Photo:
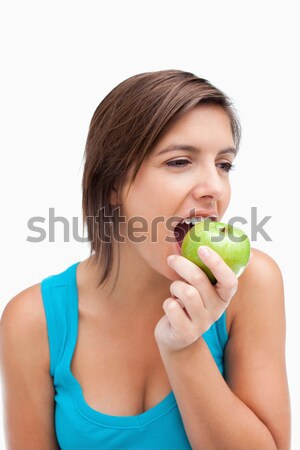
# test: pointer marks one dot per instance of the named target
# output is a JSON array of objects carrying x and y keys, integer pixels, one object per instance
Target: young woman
[{"x": 134, "y": 347}]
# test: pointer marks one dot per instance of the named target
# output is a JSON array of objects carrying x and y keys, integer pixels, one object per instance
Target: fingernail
[
  {"x": 170, "y": 258},
  {"x": 171, "y": 304},
  {"x": 203, "y": 251}
]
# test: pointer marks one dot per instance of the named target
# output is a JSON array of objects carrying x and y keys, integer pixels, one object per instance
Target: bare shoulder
[
  {"x": 261, "y": 276},
  {"x": 23, "y": 319},
  {"x": 27, "y": 386},
  {"x": 262, "y": 269}
]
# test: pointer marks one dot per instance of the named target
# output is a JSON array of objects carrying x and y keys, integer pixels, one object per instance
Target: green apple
[{"x": 231, "y": 243}]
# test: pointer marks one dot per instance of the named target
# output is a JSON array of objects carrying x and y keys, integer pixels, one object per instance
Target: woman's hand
[{"x": 198, "y": 303}]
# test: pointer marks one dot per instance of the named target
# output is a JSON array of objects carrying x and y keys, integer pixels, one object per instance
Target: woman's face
[{"x": 189, "y": 180}]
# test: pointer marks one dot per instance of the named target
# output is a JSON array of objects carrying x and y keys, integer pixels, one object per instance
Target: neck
[{"x": 136, "y": 288}]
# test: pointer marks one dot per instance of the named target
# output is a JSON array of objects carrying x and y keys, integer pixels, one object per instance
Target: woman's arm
[
  {"x": 27, "y": 389},
  {"x": 251, "y": 409}
]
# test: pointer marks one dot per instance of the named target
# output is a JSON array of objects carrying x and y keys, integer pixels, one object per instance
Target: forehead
[{"x": 206, "y": 124}]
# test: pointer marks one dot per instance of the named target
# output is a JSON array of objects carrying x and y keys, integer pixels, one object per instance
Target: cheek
[
  {"x": 148, "y": 203},
  {"x": 146, "y": 228}
]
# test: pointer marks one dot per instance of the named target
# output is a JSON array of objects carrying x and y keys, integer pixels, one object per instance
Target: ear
[{"x": 114, "y": 197}]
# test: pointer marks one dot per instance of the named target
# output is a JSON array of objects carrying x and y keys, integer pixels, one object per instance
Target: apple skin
[{"x": 235, "y": 254}]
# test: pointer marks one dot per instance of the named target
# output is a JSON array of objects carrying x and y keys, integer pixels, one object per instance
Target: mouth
[{"x": 186, "y": 224}]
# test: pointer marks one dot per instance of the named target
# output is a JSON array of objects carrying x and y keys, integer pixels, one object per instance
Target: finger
[
  {"x": 189, "y": 271},
  {"x": 226, "y": 279},
  {"x": 180, "y": 323},
  {"x": 213, "y": 297},
  {"x": 198, "y": 310},
  {"x": 199, "y": 314},
  {"x": 190, "y": 298}
]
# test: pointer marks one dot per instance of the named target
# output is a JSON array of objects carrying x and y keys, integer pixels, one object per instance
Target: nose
[{"x": 209, "y": 183}]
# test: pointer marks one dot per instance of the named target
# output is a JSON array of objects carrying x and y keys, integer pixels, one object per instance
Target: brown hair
[{"x": 124, "y": 128}]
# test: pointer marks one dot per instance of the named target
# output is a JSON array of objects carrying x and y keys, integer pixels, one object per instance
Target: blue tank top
[{"x": 79, "y": 426}]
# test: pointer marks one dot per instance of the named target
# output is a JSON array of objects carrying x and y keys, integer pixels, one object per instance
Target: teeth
[
  {"x": 196, "y": 219},
  {"x": 193, "y": 220}
]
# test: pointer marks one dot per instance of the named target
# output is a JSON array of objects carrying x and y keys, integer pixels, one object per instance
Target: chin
[
  {"x": 162, "y": 269},
  {"x": 172, "y": 275},
  {"x": 168, "y": 273}
]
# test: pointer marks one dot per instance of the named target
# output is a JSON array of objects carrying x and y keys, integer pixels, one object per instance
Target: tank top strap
[{"x": 59, "y": 304}]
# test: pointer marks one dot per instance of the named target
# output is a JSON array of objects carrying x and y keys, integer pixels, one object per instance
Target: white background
[{"x": 60, "y": 58}]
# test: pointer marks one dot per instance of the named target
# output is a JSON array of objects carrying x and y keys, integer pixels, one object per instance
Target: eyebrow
[{"x": 192, "y": 149}]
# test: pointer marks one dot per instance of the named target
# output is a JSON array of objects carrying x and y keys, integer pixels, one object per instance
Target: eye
[
  {"x": 178, "y": 163},
  {"x": 226, "y": 166}
]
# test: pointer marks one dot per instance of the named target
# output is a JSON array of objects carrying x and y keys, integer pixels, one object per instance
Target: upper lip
[{"x": 200, "y": 213}]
